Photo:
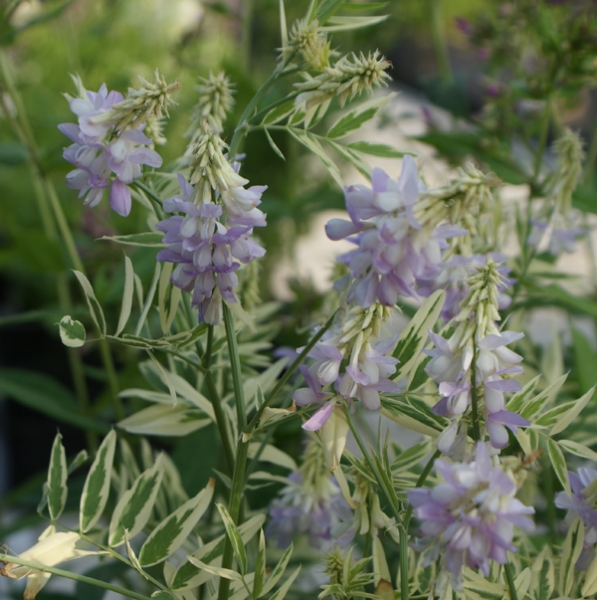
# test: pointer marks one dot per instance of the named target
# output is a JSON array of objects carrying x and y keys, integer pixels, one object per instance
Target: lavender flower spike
[{"x": 469, "y": 517}]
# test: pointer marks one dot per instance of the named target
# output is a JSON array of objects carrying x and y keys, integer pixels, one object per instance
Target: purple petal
[
  {"x": 319, "y": 418},
  {"x": 120, "y": 198}
]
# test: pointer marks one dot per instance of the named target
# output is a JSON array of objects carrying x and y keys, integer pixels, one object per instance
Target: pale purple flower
[
  {"x": 207, "y": 253},
  {"x": 578, "y": 505},
  {"x": 468, "y": 519},
  {"x": 393, "y": 249},
  {"x": 302, "y": 509},
  {"x": 559, "y": 239},
  {"x": 97, "y": 157}
]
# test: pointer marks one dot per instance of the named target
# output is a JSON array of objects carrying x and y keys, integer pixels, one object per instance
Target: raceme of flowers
[
  {"x": 207, "y": 251},
  {"x": 354, "y": 339},
  {"x": 475, "y": 360},
  {"x": 401, "y": 229},
  {"x": 469, "y": 517},
  {"x": 582, "y": 504},
  {"x": 110, "y": 142},
  {"x": 311, "y": 503}
]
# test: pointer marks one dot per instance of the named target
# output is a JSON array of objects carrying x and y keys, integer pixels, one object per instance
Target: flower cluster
[
  {"x": 453, "y": 277},
  {"x": 350, "y": 361},
  {"x": 109, "y": 141},
  {"x": 554, "y": 227},
  {"x": 398, "y": 229},
  {"x": 469, "y": 517},
  {"x": 582, "y": 504},
  {"x": 206, "y": 251},
  {"x": 475, "y": 362},
  {"x": 311, "y": 503}
]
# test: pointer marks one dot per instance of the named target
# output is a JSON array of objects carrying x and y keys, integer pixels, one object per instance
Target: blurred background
[{"x": 438, "y": 65}]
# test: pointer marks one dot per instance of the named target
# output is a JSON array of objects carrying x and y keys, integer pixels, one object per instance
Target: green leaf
[
  {"x": 589, "y": 588},
  {"x": 413, "y": 338},
  {"x": 351, "y": 23},
  {"x": 79, "y": 460},
  {"x": 97, "y": 485},
  {"x": 95, "y": 310},
  {"x": 518, "y": 400},
  {"x": 532, "y": 407},
  {"x": 556, "y": 456},
  {"x": 149, "y": 239},
  {"x": 554, "y": 295},
  {"x": 559, "y": 417},
  {"x": 127, "y": 295},
  {"x": 571, "y": 550},
  {"x": 413, "y": 414},
  {"x": 165, "y": 420},
  {"x": 543, "y": 577},
  {"x": 578, "y": 449},
  {"x": 310, "y": 142},
  {"x": 280, "y": 593},
  {"x": 358, "y": 116},
  {"x": 219, "y": 571},
  {"x": 259, "y": 568},
  {"x": 72, "y": 333},
  {"x": 278, "y": 571},
  {"x": 411, "y": 457},
  {"x": 277, "y": 114},
  {"x": 169, "y": 535},
  {"x": 372, "y": 149},
  {"x": 353, "y": 157},
  {"x": 234, "y": 537},
  {"x": 273, "y": 145},
  {"x": 57, "y": 475},
  {"x": 47, "y": 396},
  {"x": 134, "y": 508}
]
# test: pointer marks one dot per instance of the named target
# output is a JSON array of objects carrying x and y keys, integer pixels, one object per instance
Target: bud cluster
[
  {"x": 214, "y": 104},
  {"x": 312, "y": 43},
  {"x": 347, "y": 78}
]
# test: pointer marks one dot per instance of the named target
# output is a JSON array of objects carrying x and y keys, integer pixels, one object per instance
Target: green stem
[
  {"x": 510, "y": 580},
  {"x": 237, "y": 380},
  {"x": 288, "y": 373},
  {"x": 404, "y": 563},
  {"x": 240, "y": 128},
  {"x": 236, "y": 496},
  {"x": 591, "y": 158},
  {"x": 439, "y": 42},
  {"x": 474, "y": 398},
  {"x": 258, "y": 115},
  {"x": 153, "y": 197},
  {"x": 542, "y": 140},
  {"x": 246, "y": 34},
  {"x": 111, "y": 376},
  {"x": 5, "y": 558}
]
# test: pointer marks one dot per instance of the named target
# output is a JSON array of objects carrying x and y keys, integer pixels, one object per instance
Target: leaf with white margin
[
  {"x": 57, "y": 475},
  {"x": 134, "y": 508},
  {"x": 578, "y": 449},
  {"x": 534, "y": 405},
  {"x": 187, "y": 576},
  {"x": 281, "y": 592},
  {"x": 589, "y": 587},
  {"x": 358, "y": 116},
  {"x": 543, "y": 582},
  {"x": 168, "y": 536},
  {"x": 127, "y": 295},
  {"x": 97, "y": 485},
  {"x": 234, "y": 536},
  {"x": 571, "y": 550},
  {"x": 260, "y": 565},
  {"x": 561, "y": 416},
  {"x": 72, "y": 332},
  {"x": 95, "y": 309},
  {"x": 413, "y": 338},
  {"x": 556, "y": 456},
  {"x": 278, "y": 571},
  {"x": 165, "y": 420},
  {"x": 273, "y": 455},
  {"x": 219, "y": 571}
]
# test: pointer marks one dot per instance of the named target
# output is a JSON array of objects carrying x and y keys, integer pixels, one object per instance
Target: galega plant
[{"x": 449, "y": 373}]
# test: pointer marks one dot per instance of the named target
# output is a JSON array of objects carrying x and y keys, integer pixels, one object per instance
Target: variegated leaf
[
  {"x": 97, "y": 485},
  {"x": 57, "y": 475}
]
